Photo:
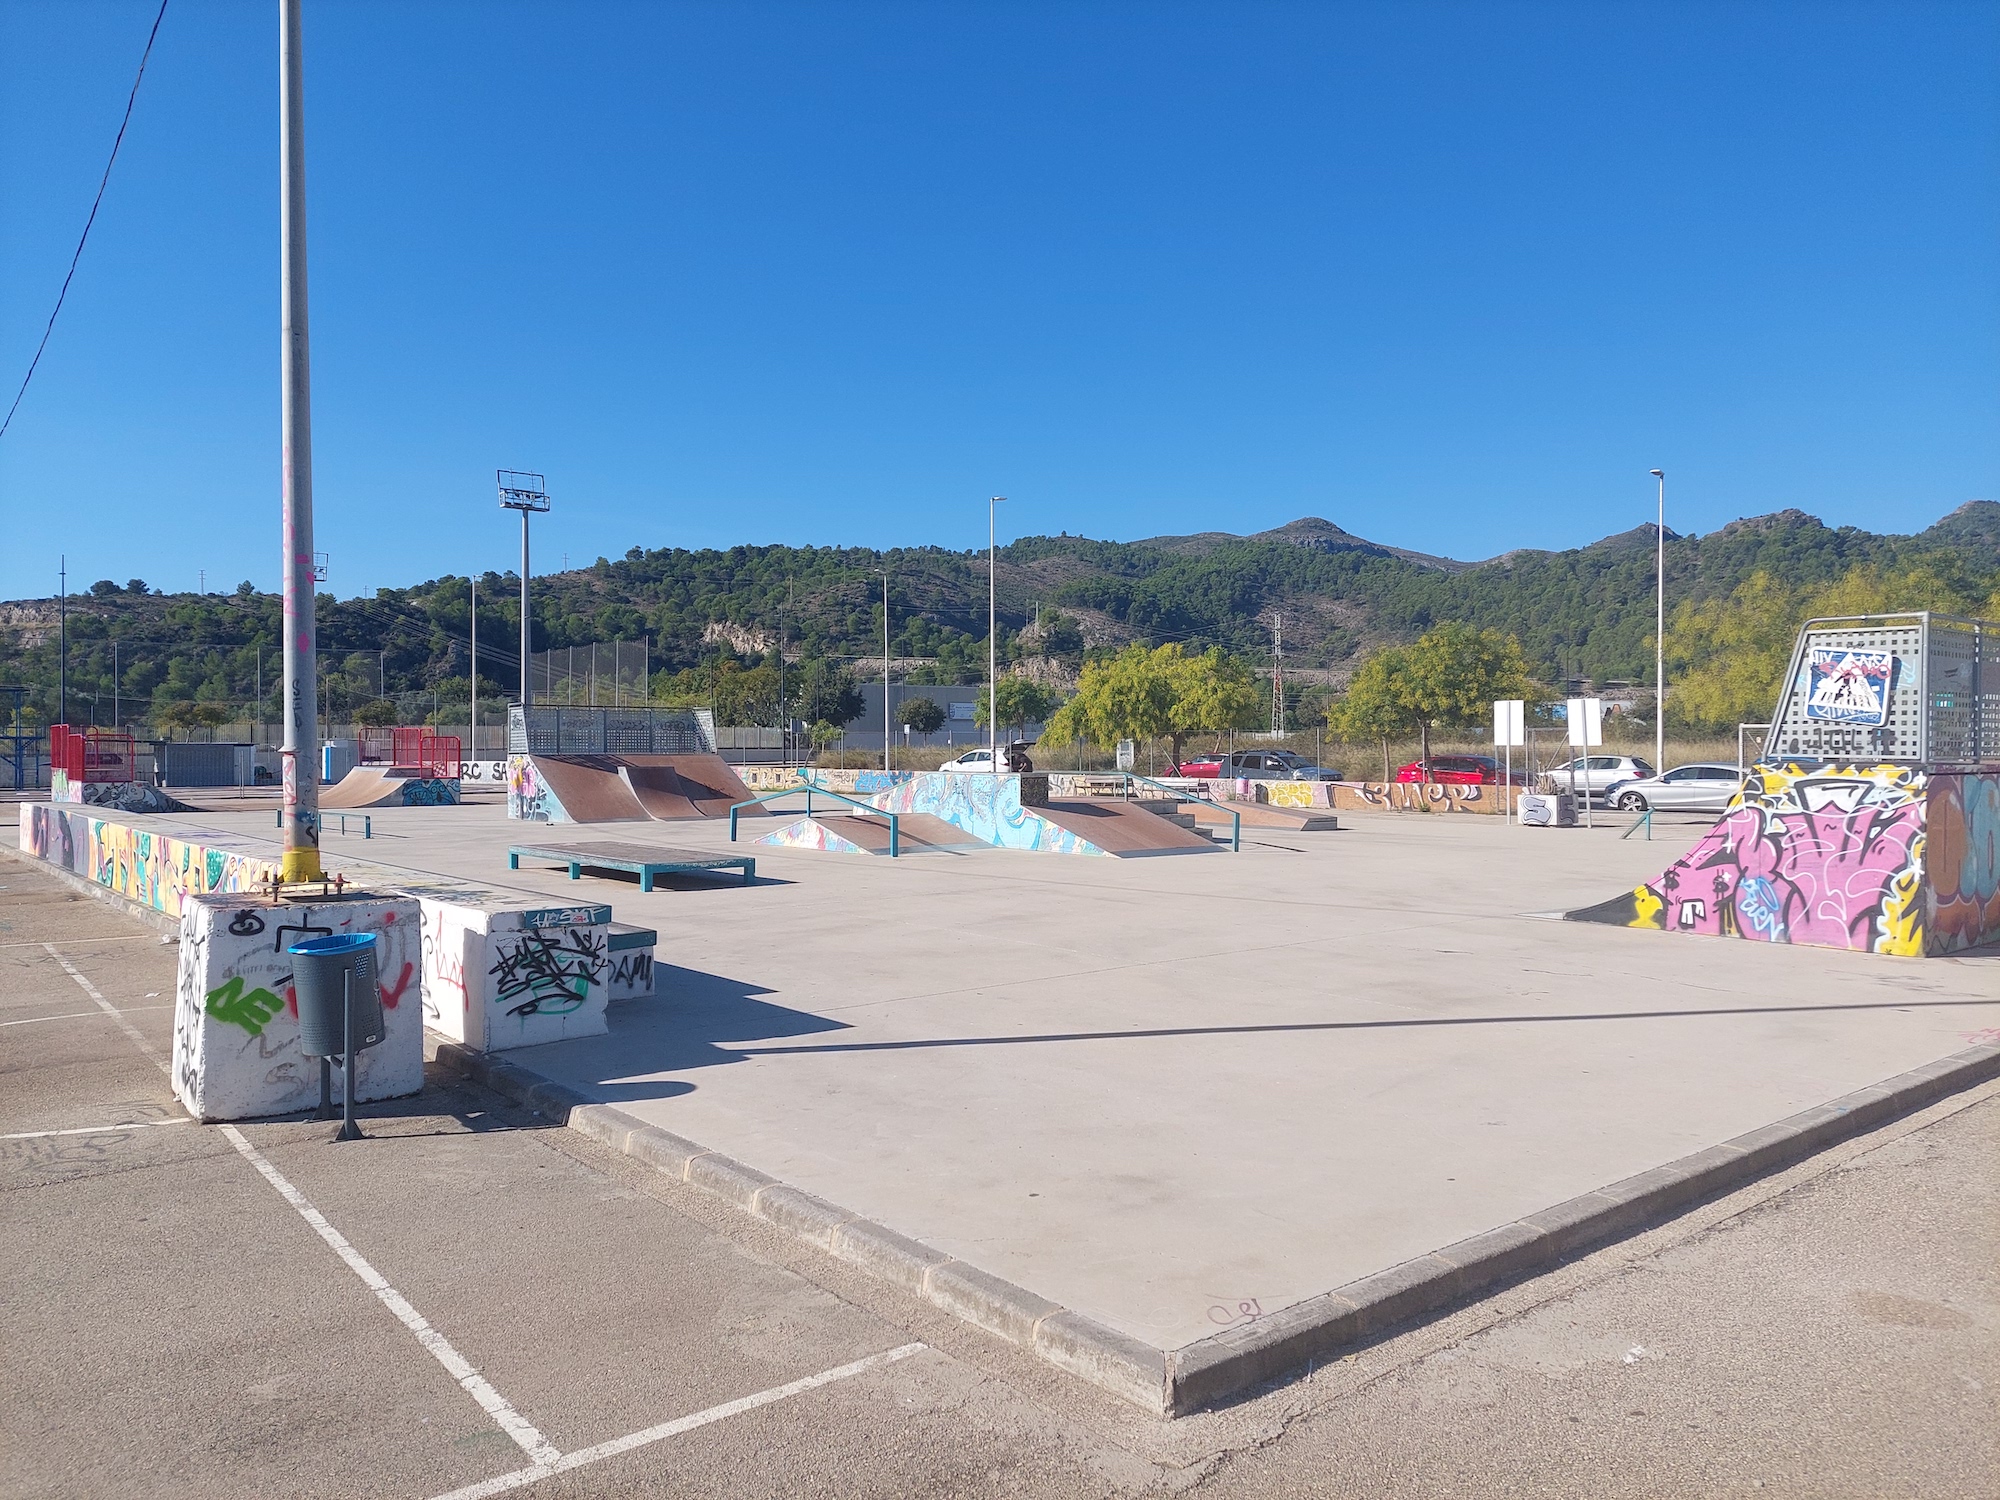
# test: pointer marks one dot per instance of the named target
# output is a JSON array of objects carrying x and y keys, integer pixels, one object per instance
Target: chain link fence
[{"x": 609, "y": 674}]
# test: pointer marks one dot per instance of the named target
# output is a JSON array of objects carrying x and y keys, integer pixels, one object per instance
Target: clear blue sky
[{"x": 1453, "y": 276}]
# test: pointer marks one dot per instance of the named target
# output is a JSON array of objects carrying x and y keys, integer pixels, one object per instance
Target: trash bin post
[
  {"x": 357, "y": 1025},
  {"x": 349, "y": 1131}
]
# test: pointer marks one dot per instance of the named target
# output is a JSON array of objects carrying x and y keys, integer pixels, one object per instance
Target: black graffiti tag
[
  {"x": 246, "y": 924},
  {"x": 545, "y": 976}
]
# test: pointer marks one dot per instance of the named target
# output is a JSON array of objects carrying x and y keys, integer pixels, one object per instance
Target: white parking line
[
  {"x": 72, "y": 1015},
  {"x": 35, "y": 1135},
  {"x": 511, "y": 1422},
  {"x": 131, "y": 1031},
  {"x": 674, "y": 1428}
]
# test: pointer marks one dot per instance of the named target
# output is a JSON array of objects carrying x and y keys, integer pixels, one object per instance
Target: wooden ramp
[
  {"x": 1125, "y": 829},
  {"x": 590, "y": 788},
  {"x": 1263, "y": 815}
]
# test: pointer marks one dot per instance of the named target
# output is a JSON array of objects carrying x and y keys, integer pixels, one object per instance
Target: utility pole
[
  {"x": 526, "y": 493},
  {"x": 887, "y": 744},
  {"x": 62, "y": 616},
  {"x": 298, "y": 757},
  {"x": 1660, "y": 635},
  {"x": 1277, "y": 673},
  {"x": 475, "y": 670},
  {"x": 114, "y": 685},
  {"x": 992, "y": 647}
]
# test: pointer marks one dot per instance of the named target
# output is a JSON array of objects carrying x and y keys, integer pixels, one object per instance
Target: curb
[
  {"x": 1067, "y": 1339},
  {"x": 1174, "y": 1383}
]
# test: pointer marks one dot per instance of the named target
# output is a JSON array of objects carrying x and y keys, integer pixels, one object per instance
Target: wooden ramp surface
[
  {"x": 1120, "y": 828},
  {"x": 916, "y": 832},
  {"x": 590, "y": 788},
  {"x": 1263, "y": 815},
  {"x": 685, "y": 786}
]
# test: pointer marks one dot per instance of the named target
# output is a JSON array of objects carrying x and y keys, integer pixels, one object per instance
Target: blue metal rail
[{"x": 810, "y": 787}]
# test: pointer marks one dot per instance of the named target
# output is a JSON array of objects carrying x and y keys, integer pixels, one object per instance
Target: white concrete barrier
[
  {"x": 500, "y": 979},
  {"x": 236, "y": 1022}
]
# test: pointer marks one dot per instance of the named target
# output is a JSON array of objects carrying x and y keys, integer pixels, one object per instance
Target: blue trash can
[{"x": 324, "y": 970}]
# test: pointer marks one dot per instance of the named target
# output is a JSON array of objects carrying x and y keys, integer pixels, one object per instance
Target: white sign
[
  {"x": 1586, "y": 722},
  {"x": 1509, "y": 721},
  {"x": 959, "y": 711},
  {"x": 1128, "y": 755}
]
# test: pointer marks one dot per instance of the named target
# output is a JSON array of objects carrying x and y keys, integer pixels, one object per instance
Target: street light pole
[
  {"x": 298, "y": 756},
  {"x": 473, "y": 709},
  {"x": 992, "y": 648},
  {"x": 526, "y": 493},
  {"x": 886, "y": 743},
  {"x": 1660, "y": 634}
]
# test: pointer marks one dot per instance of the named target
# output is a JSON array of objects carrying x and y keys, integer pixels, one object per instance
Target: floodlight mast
[
  {"x": 298, "y": 756},
  {"x": 526, "y": 493}
]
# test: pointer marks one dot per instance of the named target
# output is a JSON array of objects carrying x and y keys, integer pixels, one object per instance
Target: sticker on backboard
[{"x": 1849, "y": 687}]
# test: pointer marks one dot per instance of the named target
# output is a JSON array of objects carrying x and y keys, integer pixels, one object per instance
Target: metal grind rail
[{"x": 809, "y": 787}]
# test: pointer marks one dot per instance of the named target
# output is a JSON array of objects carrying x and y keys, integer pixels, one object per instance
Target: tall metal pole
[
  {"x": 474, "y": 710},
  {"x": 1660, "y": 635},
  {"x": 886, "y": 743},
  {"x": 62, "y": 615},
  {"x": 992, "y": 649},
  {"x": 301, "y": 770},
  {"x": 527, "y": 693}
]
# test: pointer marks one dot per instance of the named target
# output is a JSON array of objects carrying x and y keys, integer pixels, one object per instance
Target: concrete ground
[
  {"x": 177, "y": 1324},
  {"x": 1173, "y": 1094}
]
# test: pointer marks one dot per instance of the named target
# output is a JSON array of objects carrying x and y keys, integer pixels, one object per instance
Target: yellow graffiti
[
  {"x": 1648, "y": 910},
  {"x": 1902, "y": 918}
]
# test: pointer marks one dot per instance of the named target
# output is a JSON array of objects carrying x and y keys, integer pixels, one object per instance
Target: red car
[{"x": 1453, "y": 770}]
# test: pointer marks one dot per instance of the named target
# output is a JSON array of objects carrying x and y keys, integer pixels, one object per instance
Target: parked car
[
  {"x": 1259, "y": 765},
  {"x": 1597, "y": 774},
  {"x": 1013, "y": 757},
  {"x": 1453, "y": 770},
  {"x": 1704, "y": 787}
]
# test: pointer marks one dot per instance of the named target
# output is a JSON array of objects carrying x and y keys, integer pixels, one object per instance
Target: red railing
[
  {"x": 92, "y": 754},
  {"x": 413, "y": 747}
]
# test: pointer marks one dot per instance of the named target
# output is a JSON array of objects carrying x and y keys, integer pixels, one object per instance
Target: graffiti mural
[
  {"x": 527, "y": 797},
  {"x": 430, "y": 791},
  {"x": 1827, "y": 854},
  {"x": 1396, "y": 796},
  {"x": 152, "y": 869},
  {"x": 1962, "y": 861},
  {"x": 986, "y": 807},
  {"x": 809, "y": 833}
]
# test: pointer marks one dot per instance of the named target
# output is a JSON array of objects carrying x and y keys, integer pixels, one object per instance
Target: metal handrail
[
  {"x": 809, "y": 786},
  {"x": 1235, "y": 817}
]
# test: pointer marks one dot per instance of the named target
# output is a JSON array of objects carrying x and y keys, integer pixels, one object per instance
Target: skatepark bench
[{"x": 642, "y": 860}]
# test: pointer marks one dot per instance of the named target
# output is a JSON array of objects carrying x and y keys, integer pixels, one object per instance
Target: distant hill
[{"x": 1585, "y": 611}]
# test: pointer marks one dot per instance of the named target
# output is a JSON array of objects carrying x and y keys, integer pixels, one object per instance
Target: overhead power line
[{"x": 82, "y": 239}]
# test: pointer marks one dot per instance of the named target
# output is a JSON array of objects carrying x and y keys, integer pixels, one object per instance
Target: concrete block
[
  {"x": 811, "y": 1219},
  {"x": 1261, "y": 1349},
  {"x": 236, "y": 1027},
  {"x": 1580, "y": 1221},
  {"x": 495, "y": 979},
  {"x": 728, "y": 1178},
  {"x": 630, "y": 952},
  {"x": 1105, "y": 1357},
  {"x": 603, "y": 1124},
  {"x": 1403, "y": 1291},
  {"x": 886, "y": 1254},
  {"x": 1499, "y": 1255},
  {"x": 996, "y": 1305},
  {"x": 662, "y": 1150}
]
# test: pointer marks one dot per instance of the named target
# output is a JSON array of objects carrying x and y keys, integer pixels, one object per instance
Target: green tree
[
  {"x": 1451, "y": 676},
  {"x": 921, "y": 716},
  {"x": 377, "y": 713},
  {"x": 1142, "y": 694},
  {"x": 1019, "y": 702},
  {"x": 180, "y": 714},
  {"x": 827, "y": 693},
  {"x": 1376, "y": 704}
]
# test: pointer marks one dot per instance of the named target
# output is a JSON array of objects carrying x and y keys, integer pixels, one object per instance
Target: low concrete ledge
[
  {"x": 1173, "y": 1383},
  {"x": 1216, "y": 1367}
]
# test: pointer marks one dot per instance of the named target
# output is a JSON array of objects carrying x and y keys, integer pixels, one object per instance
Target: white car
[
  {"x": 980, "y": 761},
  {"x": 1705, "y": 787},
  {"x": 1597, "y": 774}
]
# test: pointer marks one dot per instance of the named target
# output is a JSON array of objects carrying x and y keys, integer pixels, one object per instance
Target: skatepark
[{"x": 1172, "y": 1100}]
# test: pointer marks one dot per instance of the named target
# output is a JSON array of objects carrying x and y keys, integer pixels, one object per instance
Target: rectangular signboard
[
  {"x": 1586, "y": 722},
  {"x": 1509, "y": 721},
  {"x": 1848, "y": 686}
]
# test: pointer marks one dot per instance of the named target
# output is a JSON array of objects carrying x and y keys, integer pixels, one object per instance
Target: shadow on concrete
[
  {"x": 682, "y": 1028},
  {"x": 1292, "y": 1026}
]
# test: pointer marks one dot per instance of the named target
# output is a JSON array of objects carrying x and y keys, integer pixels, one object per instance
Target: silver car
[
  {"x": 1597, "y": 774},
  {"x": 1705, "y": 787}
]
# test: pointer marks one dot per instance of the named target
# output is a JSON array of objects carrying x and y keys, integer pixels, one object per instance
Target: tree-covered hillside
[{"x": 1586, "y": 612}]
